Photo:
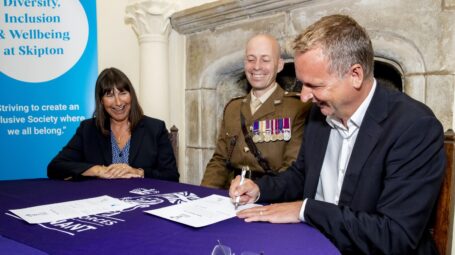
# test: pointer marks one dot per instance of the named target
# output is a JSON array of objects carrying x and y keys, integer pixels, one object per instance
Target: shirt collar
[
  {"x": 356, "y": 118},
  {"x": 266, "y": 95}
]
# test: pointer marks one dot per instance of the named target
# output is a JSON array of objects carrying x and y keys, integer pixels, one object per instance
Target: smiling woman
[{"x": 119, "y": 141}]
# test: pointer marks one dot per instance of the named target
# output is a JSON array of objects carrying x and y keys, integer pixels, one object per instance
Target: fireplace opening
[
  {"x": 286, "y": 78},
  {"x": 387, "y": 74}
]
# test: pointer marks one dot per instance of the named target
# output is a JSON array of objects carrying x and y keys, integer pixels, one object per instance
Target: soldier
[{"x": 262, "y": 130}]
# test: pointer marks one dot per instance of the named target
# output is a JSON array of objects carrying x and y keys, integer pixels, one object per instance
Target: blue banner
[{"x": 48, "y": 69}]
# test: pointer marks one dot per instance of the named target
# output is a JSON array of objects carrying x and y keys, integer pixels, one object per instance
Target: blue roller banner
[{"x": 48, "y": 69}]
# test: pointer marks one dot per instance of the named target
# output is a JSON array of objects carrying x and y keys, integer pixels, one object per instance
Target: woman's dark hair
[{"x": 109, "y": 79}]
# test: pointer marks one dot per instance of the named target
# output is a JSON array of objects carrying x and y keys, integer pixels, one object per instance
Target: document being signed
[
  {"x": 71, "y": 209},
  {"x": 201, "y": 212}
]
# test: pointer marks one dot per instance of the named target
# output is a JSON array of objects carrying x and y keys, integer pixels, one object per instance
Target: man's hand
[
  {"x": 248, "y": 191},
  {"x": 274, "y": 213}
]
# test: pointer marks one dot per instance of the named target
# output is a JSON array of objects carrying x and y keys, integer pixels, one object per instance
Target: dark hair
[
  {"x": 343, "y": 41},
  {"x": 109, "y": 79}
]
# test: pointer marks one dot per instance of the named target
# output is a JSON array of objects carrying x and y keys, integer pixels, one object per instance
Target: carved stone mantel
[
  {"x": 222, "y": 12},
  {"x": 150, "y": 21}
]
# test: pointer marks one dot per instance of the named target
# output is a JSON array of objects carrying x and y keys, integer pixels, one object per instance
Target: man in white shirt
[{"x": 371, "y": 163}]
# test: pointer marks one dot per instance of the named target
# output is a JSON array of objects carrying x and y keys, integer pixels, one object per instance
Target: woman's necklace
[
  {"x": 122, "y": 136},
  {"x": 119, "y": 139}
]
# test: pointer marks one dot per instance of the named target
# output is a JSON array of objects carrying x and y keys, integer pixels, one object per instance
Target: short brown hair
[
  {"x": 109, "y": 79},
  {"x": 343, "y": 41}
]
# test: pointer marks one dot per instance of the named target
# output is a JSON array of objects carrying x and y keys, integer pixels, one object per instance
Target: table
[{"x": 134, "y": 232}]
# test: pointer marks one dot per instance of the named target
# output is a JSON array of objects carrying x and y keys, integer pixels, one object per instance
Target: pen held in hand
[{"x": 242, "y": 180}]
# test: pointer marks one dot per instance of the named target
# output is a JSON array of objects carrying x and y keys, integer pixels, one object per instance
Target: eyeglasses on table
[{"x": 221, "y": 249}]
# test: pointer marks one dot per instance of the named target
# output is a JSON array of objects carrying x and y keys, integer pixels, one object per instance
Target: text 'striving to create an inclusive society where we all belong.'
[{"x": 50, "y": 122}]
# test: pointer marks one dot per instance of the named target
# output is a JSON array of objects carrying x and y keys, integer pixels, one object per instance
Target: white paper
[
  {"x": 201, "y": 212},
  {"x": 71, "y": 209}
]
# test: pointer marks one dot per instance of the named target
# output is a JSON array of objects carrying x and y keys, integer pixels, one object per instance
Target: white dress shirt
[{"x": 338, "y": 153}]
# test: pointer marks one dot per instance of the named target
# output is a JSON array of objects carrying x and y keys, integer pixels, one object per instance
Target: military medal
[
  {"x": 287, "y": 129},
  {"x": 256, "y": 136},
  {"x": 267, "y": 133},
  {"x": 261, "y": 131},
  {"x": 280, "y": 129},
  {"x": 274, "y": 134}
]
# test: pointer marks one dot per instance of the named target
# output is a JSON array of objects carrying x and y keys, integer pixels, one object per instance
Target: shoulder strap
[
  {"x": 252, "y": 146},
  {"x": 232, "y": 143}
]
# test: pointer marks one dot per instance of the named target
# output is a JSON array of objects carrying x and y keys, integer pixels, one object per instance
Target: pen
[{"x": 242, "y": 180}]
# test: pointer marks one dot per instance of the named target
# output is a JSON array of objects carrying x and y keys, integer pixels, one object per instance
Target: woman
[{"x": 119, "y": 141}]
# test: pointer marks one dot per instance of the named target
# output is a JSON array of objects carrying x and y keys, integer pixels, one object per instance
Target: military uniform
[{"x": 277, "y": 131}]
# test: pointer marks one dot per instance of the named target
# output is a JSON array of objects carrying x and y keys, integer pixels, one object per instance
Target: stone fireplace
[{"x": 416, "y": 38}]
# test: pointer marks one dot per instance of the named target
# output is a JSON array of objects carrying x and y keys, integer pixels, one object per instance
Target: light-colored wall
[{"x": 117, "y": 43}]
